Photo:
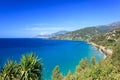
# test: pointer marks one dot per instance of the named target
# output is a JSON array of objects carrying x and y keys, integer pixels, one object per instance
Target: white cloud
[{"x": 44, "y": 28}]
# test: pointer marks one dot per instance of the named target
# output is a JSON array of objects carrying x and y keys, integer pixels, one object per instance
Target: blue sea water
[{"x": 64, "y": 53}]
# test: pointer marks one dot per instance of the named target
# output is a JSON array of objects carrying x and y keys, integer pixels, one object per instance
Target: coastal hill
[
  {"x": 106, "y": 69},
  {"x": 88, "y": 32},
  {"x": 107, "y": 39}
]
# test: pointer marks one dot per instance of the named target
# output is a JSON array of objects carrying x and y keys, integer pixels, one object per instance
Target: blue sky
[{"x": 28, "y": 18}]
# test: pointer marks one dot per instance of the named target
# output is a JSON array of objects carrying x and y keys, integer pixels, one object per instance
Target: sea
[{"x": 64, "y": 53}]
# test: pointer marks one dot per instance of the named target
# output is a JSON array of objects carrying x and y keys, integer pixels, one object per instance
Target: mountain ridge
[{"x": 88, "y": 32}]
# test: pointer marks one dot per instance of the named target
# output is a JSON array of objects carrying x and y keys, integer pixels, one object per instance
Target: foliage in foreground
[
  {"x": 107, "y": 69},
  {"x": 29, "y": 68}
]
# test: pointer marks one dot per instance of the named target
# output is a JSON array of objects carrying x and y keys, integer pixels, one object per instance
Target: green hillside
[
  {"x": 88, "y": 32},
  {"x": 108, "y": 39},
  {"x": 81, "y": 34}
]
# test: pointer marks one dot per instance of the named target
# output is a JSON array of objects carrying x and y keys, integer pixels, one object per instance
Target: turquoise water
[{"x": 66, "y": 54}]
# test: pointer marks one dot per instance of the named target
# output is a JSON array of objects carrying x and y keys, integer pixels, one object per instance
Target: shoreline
[{"x": 103, "y": 49}]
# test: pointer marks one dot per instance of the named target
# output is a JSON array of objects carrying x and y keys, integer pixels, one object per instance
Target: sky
[{"x": 28, "y": 18}]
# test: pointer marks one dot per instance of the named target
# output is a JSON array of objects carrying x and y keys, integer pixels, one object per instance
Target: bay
[{"x": 64, "y": 53}]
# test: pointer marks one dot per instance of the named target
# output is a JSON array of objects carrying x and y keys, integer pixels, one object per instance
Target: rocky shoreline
[{"x": 105, "y": 50}]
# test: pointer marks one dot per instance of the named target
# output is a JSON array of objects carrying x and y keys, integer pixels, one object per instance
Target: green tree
[
  {"x": 56, "y": 75},
  {"x": 30, "y": 67},
  {"x": 68, "y": 77},
  {"x": 84, "y": 63},
  {"x": 116, "y": 56},
  {"x": 93, "y": 61},
  {"x": 9, "y": 71}
]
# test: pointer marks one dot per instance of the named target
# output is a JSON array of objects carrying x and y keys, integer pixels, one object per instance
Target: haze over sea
[{"x": 64, "y": 53}]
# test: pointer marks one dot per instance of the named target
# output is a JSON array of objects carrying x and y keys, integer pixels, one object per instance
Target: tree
[
  {"x": 116, "y": 56},
  {"x": 9, "y": 71},
  {"x": 56, "y": 75},
  {"x": 93, "y": 61},
  {"x": 68, "y": 77},
  {"x": 84, "y": 63},
  {"x": 30, "y": 67}
]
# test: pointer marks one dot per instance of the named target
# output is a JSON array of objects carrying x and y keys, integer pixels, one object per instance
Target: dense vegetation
[
  {"x": 29, "y": 68},
  {"x": 108, "y": 40}
]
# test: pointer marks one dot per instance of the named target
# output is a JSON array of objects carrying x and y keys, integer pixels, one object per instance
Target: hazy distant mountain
[
  {"x": 43, "y": 36},
  {"x": 88, "y": 32},
  {"x": 109, "y": 27},
  {"x": 59, "y": 33},
  {"x": 114, "y": 24},
  {"x": 51, "y": 35}
]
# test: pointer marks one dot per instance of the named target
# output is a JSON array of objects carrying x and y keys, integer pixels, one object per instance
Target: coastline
[{"x": 103, "y": 49}]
